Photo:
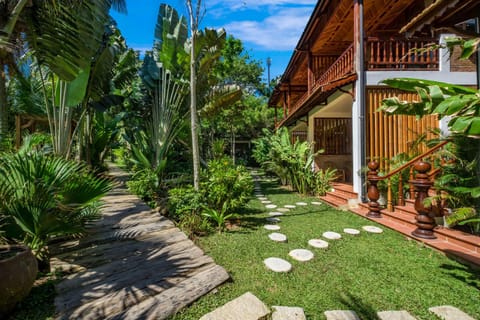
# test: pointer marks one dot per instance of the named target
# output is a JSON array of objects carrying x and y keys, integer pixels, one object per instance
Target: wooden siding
[
  {"x": 299, "y": 135},
  {"x": 333, "y": 135},
  {"x": 387, "y": 135}
]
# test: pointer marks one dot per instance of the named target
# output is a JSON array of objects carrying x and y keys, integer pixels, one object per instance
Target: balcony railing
[{"x": 401, "y": 54}]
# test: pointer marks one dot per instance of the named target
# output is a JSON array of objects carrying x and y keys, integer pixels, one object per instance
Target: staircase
[{"x": 453, "y": 243}]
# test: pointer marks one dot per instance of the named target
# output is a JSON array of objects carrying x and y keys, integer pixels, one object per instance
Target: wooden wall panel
[{"x": 388, "y": 136}]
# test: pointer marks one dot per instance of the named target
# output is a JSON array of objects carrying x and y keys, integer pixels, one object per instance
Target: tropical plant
[
  {"x": 323, "y": 179},
  {"x": 218, "y": 216},
  {"x": 46, "y": 196}
]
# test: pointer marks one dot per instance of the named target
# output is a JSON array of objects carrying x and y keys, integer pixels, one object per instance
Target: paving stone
[
  {"x": 277, "y": 264},
  {"x": 316, "y": 203},
  {"x": 318, "y": 243},
  {"x": 332, "y": 235},
  {"x": 283, "y": 209},
  {"x": 271, "y": 227},
  {"x": 372, "y": 229},
  {"x": 351, "y": 231},
  {"x": 395, "y": 315},
  {"x": 273, "y": 219},
  {"x": 301, "y": 204},
  {"x": 301, "y": 254},
  {"x": 259, "y": 195},
  {"x": 290, "y": 206},
  {"x": 341, "y": 315},
  {"x": 278, "y": 237},
  {"x": 450, "y": 313},
  {"x": 266, "y": 201},
  {"x": 288, "y": 313},
  {"x": 262, "y": 198},
  {"x": 245, "y": 307},
  {"x": 271, "y": 206},
  {"x": 275, "y": 213}
]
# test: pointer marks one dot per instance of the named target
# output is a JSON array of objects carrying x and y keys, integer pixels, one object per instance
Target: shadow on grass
[
  {"x": 463, "y": 273},
  {"x": 363, "y": 310}
]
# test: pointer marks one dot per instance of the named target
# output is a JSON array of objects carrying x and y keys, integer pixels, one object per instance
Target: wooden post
[
  {"x": 373, "y": 193},
  {"x": 425, "y": 221},
  {"x": 18, "y": 131}
]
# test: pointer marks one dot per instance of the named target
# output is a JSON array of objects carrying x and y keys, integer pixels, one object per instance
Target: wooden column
[
  {"x": 425, "y": 220},
  {"x": 373, "y": 194},
  {"x": 18, "y": 131},
  {"x": 285, "y": 104},
  {"x": 310, "y": 74}
]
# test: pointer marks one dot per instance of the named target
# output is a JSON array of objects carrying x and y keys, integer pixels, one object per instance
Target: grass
[{"x": 365, "y": 273}]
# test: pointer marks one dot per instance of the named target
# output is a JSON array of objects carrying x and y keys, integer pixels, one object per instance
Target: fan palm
[{"x": 45, "y": 196}]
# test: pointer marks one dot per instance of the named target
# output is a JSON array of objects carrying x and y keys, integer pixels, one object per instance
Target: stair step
[{"x": 450, "y": 313}]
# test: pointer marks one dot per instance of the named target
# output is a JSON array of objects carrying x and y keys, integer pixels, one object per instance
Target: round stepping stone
[
  {"x": 318, "y": 243},
  {"x": 271, "y": 206},
  {"x": 271, "y": 227},
  {"x": 316, "y": 203},
  {"x": 372, "y": 229},
  {"x": 277, "y": 265},
  {"x": 273, "y": 220},
  {"x": 278, "y": 237},
  {"x": 266, "y": 201},
  {"x": 274, "y": 214},
  {"x": 290, "y": 206},
  {"x": 351, "y": 231},
  {"x": 283, "y": 209},
  {"x": 301, "y": 204},
  {"x": 332, "y": 235},
  {"x": 262, "y": 198},
  {"x": 301, "y": 254}
]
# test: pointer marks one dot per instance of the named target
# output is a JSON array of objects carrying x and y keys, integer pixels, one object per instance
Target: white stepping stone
[
  {"x": 259, "y": 195},
  {"x": 332, "y": 235},
  {"x": 316, "y": 203},
  {"x": 275, "y": 213},
  {"x": 273, "y": 219},
  {"x": 372, "y": 229},
  {"x": 351, "y": 231},
  {"x": 247, "y": 306},
  {"x": 395, "y": 315},
  {"x": 279, "y": 237},
  {"x": 301, "y": 254},
  {"x": 271, "y": 227},
  {"x": 341, "y": 315},
  {"x": 318, "y": 243},
  {"x": 277, "y": 264},
  {"x": 290, "y": 313},
  {"x": 290, "y": 206},
  {"x": 266, "y": 201},
  {"x": 271, "y": 206},
  {"x": 450, "y": 313},
  {"x": 301, "y": 204},
  {"x": 283, "y": 209},
  {"x": 262, "y": 198}
]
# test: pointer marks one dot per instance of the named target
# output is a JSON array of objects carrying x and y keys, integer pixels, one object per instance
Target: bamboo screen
[
  {"x": 388, "y": 136},
  {"x": 333, "y": 135},
  {"x": 299, "y": 135}
]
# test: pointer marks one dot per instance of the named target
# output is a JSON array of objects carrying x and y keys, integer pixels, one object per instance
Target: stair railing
[{"x": 373, "y": 179}]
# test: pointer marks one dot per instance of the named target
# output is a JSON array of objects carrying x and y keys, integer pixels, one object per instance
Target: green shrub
[
  {"x": 323, "y": 180},
  {"x": 145, "y": 184},
  {"x": 185, "y": 200}
]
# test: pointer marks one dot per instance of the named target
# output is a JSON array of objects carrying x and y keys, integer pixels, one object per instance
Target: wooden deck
[{"x": 133, "y": 264}]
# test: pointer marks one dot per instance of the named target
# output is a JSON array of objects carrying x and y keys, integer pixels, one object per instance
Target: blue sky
[{"x": 267, "y": 28}]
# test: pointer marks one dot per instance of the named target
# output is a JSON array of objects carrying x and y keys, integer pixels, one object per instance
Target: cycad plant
[{"x": 44, "y": 196}]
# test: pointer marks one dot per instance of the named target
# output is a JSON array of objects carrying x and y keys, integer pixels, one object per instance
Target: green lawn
[{"x": 365, "y": 273}]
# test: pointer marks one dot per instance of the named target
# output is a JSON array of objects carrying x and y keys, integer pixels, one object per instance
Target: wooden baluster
[
  {"x": 389, "y": 196},
  {"x": 412, "y": 188},
  {"x": 373, "y": 193},
  {"x": 401, "y": 200},
  {"x": 425, "y": 222}
]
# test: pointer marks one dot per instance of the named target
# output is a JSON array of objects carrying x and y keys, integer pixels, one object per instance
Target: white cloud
[
  {"x": 235, "y": 5},
  {"x": 281, "y": 30}
]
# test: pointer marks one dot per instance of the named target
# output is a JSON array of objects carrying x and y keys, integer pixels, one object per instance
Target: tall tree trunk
[
  {"x": 3, "y": 105},
  {"x": 194, "y": 19}
]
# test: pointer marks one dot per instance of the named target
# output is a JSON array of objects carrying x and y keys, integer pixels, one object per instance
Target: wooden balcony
[
  {"x": 400, "y": 54},
  {"x": 380, "y": 55}
]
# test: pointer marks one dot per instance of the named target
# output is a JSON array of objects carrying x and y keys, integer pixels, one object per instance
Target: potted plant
[{"x": 18, "y": 267}]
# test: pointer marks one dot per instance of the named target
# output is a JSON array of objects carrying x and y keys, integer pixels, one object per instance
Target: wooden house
[{"x": 330, "y": 90}]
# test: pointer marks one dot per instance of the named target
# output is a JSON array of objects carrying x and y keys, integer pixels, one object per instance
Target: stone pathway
[
  {"x": 303, "y": 255},
  {"x": 133, "y": 264}
]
